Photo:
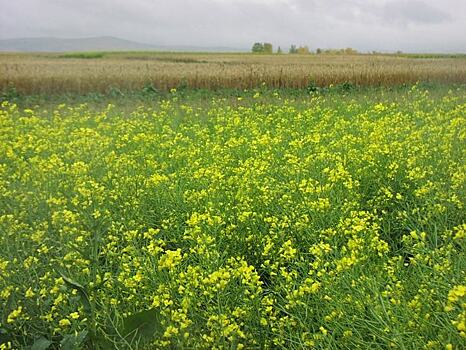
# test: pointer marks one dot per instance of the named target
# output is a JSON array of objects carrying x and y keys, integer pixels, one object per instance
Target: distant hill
[{"x": 103, "y": 43}]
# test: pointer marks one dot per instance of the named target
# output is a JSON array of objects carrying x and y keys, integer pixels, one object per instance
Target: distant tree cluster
[
  {"x": 347, "y": 51},
  {"x": 262, "y": 48},
  {"x": 301, "y": 50}
]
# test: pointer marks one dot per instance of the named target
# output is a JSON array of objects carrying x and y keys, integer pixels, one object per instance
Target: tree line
[{"x": 267, "y": 48}]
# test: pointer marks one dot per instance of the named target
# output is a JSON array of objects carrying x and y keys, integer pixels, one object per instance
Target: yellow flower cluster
[{"x": 457, "y": 299}]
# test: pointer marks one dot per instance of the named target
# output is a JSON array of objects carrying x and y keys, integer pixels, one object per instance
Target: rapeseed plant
[{"x": 288, "y": 224}]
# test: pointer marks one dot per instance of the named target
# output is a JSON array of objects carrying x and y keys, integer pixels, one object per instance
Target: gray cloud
[
  {"x": 413, "y": 12},
  {"x": 409, "y": 25}
]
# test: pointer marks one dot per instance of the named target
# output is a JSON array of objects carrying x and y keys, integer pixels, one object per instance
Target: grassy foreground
[{"x": 334, "y": 221}]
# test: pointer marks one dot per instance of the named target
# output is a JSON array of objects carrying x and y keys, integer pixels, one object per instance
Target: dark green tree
[{"x": 258, "y": 48}]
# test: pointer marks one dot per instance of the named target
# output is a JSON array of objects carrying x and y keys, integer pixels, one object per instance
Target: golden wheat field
[{"x": 91, "y": 72}]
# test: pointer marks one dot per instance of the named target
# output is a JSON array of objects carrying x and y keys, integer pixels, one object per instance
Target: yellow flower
[
  {"x": 170, "y": 259},
  {"x": 29, "y": 293},
  {"x": 456, "y": 293},
  {"x": 347, "y": 333},
  {"x": 14, "y": 314},
  {"x": 64, "y": 323}
]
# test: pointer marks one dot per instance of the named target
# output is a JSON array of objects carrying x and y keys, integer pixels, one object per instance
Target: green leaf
[
  {"x": 100, "y": 342},
  {"x": 234, "y": 343},
  {"x": 41, "y": 344},
  {"x": 5, "y": 337},
  {"x": 141, "y": 326},
  {"x": 81, "y": 291},
  {"x": 73, "y": 341}
]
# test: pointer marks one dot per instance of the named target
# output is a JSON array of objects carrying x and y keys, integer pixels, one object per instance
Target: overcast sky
[{"x": 408, "y": 25}]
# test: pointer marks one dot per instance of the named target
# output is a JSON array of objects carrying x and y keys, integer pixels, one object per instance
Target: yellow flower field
[{"x": 324, "y": 223}]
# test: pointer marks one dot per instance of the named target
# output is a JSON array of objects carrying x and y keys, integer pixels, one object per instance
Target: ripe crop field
[
  {"x": 330, "y": 221},
  {"x": 98, "y": 72}
]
